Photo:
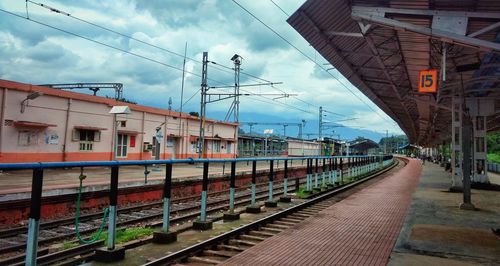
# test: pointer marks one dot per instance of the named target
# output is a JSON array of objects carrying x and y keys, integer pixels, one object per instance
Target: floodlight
[
  {"x": 30, "y": 96},
  {"x": 120, "y": 110},
  {"x": 34, "y": 95}
]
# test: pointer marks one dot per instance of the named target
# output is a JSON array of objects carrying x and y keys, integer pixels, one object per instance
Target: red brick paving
[{"x": 360, "y": 230}]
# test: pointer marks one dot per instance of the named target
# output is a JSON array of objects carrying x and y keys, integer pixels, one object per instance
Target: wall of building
[
  {"x": 302, "y": 148},
  {"x": 51, "y": 125}
]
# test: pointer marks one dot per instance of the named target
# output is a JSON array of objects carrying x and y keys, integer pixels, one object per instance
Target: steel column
[{"x": 34, "y": 216}]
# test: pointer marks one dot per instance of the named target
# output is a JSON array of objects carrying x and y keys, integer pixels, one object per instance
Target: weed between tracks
[{"x": 122, "y": 236}]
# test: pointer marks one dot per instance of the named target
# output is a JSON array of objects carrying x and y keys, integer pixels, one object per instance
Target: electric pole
[
  {"x": 320, "y": 126},
  {"x": 204, "y": 88}
]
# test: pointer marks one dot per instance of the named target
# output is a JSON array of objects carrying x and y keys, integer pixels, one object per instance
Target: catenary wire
[{"x": 308, "y": 57}]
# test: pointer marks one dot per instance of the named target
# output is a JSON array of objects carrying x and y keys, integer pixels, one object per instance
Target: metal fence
[
  {"x": 493, "y": 167},
  {"x": 320, "y": 171}
]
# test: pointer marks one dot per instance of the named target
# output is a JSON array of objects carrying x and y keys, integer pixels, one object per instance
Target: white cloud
[{"x": 219, "y": 27}]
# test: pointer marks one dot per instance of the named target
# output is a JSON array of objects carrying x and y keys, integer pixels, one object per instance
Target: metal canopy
[{"x": 381, "y": 45}]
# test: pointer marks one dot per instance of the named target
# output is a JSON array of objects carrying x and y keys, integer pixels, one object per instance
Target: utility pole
[
  {"x": 320, "y": 128},
  {"x": 385, "y": 142},
  {"x": 237, "y": 63},
  {"x": 183, "y": 76},
  {"x": 203, "y": 102}
]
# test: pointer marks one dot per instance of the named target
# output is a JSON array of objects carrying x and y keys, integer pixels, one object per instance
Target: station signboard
[{"x": 427, "y": 80}]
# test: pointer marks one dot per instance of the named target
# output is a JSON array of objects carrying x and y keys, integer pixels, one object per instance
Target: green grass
[
  {"x": 68, "y": 245},
  {"x": 302, "y": 193},
  {"x": 128, "y": 234},
  {"x": 494, "y": 157}
]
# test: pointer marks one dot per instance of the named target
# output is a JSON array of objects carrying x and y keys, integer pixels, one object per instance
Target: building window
[
  {"x": 122, "y": 145},
  {"x": 86, "y": 139},
  {"x": 27, "y": 138},
  {"x": 216, "y": 146},
  {"x": 229, "y": 147}
]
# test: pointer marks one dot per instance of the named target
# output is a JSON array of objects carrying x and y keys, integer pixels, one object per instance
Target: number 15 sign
[{"x": 427, "y": 80}]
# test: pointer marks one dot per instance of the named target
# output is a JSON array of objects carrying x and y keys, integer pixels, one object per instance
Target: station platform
[{"x": 408, "y": 218}]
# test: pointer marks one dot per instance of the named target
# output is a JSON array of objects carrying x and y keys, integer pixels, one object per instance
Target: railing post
[
  {"x": 165, "y": 236},
  {"x": 231, "y": 215},
  {"x": 341, "y": 171},
  {"x": 270, "y": 202},
  {"x": 285, "y": 197},
  {"x": 330, "y": 172},
  {"x": 254, "y": 207},
  {"x": 112, "y": 253},
  {"x": 308, "y": 175},
  {"x": 113, "y": 202},
  {"x": 335, "y": 170},
  {"x": 203, "y": 223},
  {"x": 34, "y": 216},
  {"x": 323, "y": 173},
  {"x": 316, "y": 173}
]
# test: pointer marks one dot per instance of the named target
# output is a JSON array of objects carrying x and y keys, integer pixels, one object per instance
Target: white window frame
[
  {"x": 122, "y": 141},
  {"x": 229, "y": 147}
]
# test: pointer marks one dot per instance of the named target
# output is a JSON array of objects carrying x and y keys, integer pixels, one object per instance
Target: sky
[{"x": 39, "y": 54}]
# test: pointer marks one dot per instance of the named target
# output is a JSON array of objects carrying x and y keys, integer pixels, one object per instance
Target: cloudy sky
[{"x": 38, "y": 54}]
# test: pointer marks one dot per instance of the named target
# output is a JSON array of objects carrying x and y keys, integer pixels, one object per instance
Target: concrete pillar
[
  {"x": 480, "y": 150},
  {"x": 456, "y": 143}
]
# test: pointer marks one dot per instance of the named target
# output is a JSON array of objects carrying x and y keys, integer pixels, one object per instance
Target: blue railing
[
  {"x": 320, "y": 170},
  {"x": 493, "y": 167}
]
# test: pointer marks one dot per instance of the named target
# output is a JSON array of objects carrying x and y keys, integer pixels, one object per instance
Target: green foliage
[
  {"x": 68, "y": 245},
  {"x": 129, "y": 234},
  {"x": 493, "y": 140},
  {"x": 494, "y": 158},
  {"x": 393, "y": 142},
  {"x": 302, "y": 193}
]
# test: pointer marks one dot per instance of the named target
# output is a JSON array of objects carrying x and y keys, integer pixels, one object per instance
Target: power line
[
  {"x": 284, "y": 12},
  {"x": 143, "y": 57},
  {"x": 58, "y": 11},
  {"x": 307, "y": 56},
  {"x": 221, "y": 68},
  {"x": 105, "y": 44}
]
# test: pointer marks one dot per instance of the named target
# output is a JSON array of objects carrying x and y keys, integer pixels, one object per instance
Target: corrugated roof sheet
[{"x": 401, "y": 54}]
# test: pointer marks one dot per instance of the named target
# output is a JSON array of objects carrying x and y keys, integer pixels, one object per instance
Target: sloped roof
[{"x": 383, "y": 61}]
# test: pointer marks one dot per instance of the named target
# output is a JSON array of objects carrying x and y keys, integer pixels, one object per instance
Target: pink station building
[{"x": 40, "y": 124}]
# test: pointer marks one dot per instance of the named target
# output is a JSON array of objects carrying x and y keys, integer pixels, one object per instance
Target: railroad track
[
  {"x": 227, "y": 245},
  {"x": 146, "y": 214}
]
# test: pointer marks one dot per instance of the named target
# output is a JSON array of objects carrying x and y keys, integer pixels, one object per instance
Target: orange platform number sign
[{"x": 427, "y": 80}]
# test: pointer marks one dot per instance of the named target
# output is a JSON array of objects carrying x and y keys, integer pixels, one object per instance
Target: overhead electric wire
[
  {"x": 138, "y": 40},
  {"x": 307, "y": 56},
  {"x": 220, "y": 68},
  {"x": 284, "y": 12},
  {"x": 105, "y": 44},
  {"x": 143, "y": 57}
]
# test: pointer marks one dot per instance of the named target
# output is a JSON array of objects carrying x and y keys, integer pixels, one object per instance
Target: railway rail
[{"x": 184, "y": 209}]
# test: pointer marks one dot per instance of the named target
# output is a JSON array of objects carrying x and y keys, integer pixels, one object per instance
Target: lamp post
[
  {"x": 30, "y": 96},
  {"x": 116, "y": 110}
]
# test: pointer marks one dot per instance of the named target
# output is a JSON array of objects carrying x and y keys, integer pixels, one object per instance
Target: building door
[{"x": 122, "y": 146}]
